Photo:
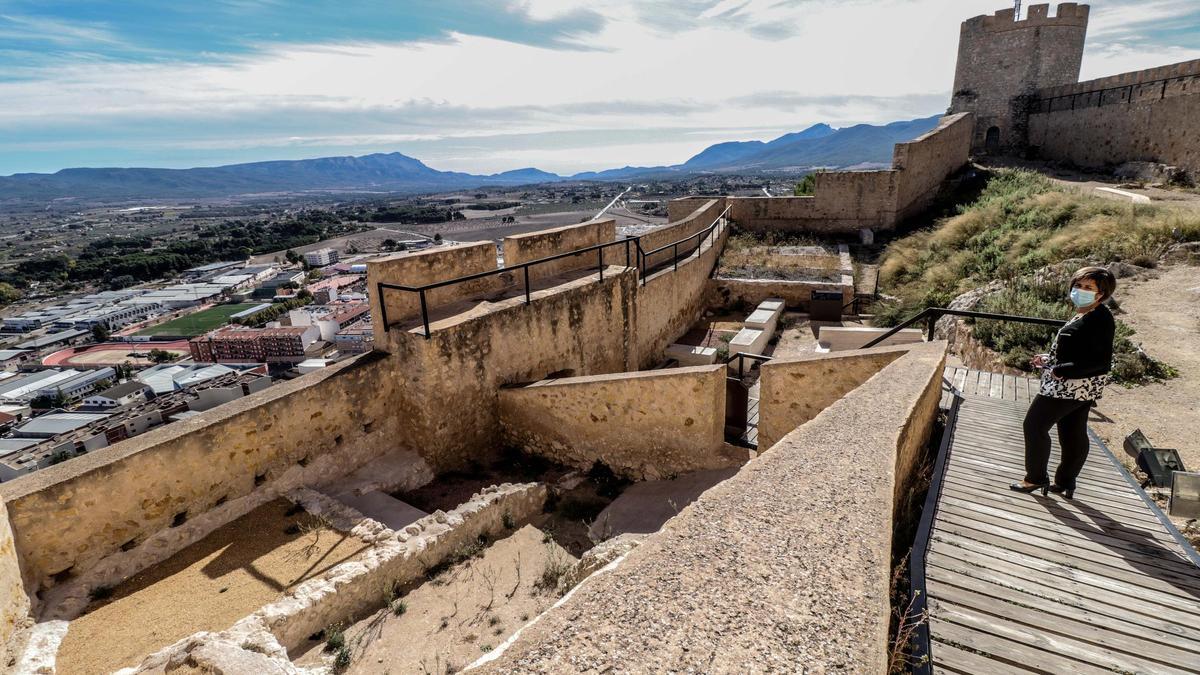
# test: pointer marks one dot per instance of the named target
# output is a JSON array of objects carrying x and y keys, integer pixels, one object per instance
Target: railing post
[
  {"x": 527, "y": 284},
  {"x": 741, "y": 362},
  {"x": 675, "y": 255},
  {"x": 424, "y": 313},
  {"x": 931, "y": 321},
  {"x": 600, "y": 261},
  {"x": 627, "y": 252},
  {"x": 382, "y": 306}
]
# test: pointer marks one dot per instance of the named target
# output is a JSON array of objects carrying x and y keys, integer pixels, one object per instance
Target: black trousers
[{"x": 1071, "y": 417}]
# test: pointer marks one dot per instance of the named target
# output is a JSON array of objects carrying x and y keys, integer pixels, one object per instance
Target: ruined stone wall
[
  {"x": 696, "y": 220},
  {"x": 1002, "y": 62},
  {"x": 746, "y": 293},
  {"x": 427, "y": 267},
  {"x": 520, "y": 248},
  {"x": 644, "y": 425},
  {"x": 795, "y": 390},
  {"x": 803, "y": 531},
  {"x": 66, "y": 518},
  {"x": 14, "y": 602},
  {"x": 1150, "y": 115}
]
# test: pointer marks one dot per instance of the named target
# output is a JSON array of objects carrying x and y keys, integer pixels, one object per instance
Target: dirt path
[{"x": 1165, "y": 312}]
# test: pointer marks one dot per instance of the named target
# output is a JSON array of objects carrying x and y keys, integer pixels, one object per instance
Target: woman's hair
[{"x": 1105, "y": 281}]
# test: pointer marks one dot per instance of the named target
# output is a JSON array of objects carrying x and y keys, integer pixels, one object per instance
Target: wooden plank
[
  {"x": 1021, "y": 390},
  {"x": 954, "y": 661},
  {"x": 1010, "y": 387},
  {"x": 1055, "y": 598},
  {"x": 1068, "y": 647},
  {"x": 960, "y": 379},
  {"x": 1011, "y": 651},
  {"x": 1133, "y": 653},
  {"x": 1089, "y": 485},
  {"x": 1100, "y": 497},
  {"x": 1151, "y": 558},
  {"x": 984, "y": 387},
  {"x": 1017, "y": 503},
  {"x": 1055, "y": 572}
]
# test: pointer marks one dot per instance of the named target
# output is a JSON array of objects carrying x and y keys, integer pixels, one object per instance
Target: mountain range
[{"x": 819, "y": 146}]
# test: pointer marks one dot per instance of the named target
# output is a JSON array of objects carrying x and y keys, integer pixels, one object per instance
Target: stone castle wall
[
  {"x": 427, "y": 267},
  {"x": 1150, "y": 115},
  {"x": 845, "y": 202},
  {"x": 14, "y": 602},
  {"x": 520, "y": 248},
  {"x": 1002, "y": 62}
]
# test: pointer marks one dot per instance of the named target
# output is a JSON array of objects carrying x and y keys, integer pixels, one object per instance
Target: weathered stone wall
[
  {"x": 67, "y": 517},
  {"x": 671, "y": 301},
  {"x": 643, "y": 425},
  {"x": 795, "y": 390},
  {"x": 1002, "y": 62},
  {"x": 14, "y": 602},
  {"x": 697, "y": 220},
  {"x": 924, "y": 163},
  {"x": 448, "y": 385},
  {"x": 785, "y": 563},
  {"x": 427, "y": 267},
  {"x": 1150, "y": 115},
  {"x": 520, "y": 248}
]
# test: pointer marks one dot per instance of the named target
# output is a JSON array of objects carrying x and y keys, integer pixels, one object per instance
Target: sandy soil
[
  {"x": 798, "y": 335},
  {"x": 1165, "y": 312},
  {"x": 210, "y": 585},
  {"x": 459, "y": 615}
]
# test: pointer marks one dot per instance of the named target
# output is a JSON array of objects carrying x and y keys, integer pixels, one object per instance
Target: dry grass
[{"x": 1021, "y": 222}]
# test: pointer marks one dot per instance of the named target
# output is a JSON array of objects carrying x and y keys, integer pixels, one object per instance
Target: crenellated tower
[{"x": 1002, "y": 61}]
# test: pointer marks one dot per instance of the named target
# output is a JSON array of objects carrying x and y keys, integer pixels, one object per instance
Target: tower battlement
[{"x": 1066, "y": 14}]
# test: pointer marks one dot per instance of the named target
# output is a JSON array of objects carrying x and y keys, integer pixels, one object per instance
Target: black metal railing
[
  {"x": 931, "y": 315},
  {"x": 635, "y": 257},
  {"x": 741, "y": 357},
  {"x": 645, "y": 268}
]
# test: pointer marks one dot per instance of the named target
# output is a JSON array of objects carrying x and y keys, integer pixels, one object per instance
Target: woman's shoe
[
  {"x": 1067, "y": 494},
  {"x": 1022, "y": 487}
]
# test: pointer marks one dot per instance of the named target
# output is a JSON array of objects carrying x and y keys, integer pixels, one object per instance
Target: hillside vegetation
[{"x": 1018, "y": 231}]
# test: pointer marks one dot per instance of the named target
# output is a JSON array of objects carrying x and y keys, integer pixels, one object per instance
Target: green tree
[
  {"x": 161, "y": 356},
  {"x": 292, "y": 256},
  {"x": 100, "y": 332},
  {"x": 437, "y": 238},
  {"x": 806, "y": 186}
]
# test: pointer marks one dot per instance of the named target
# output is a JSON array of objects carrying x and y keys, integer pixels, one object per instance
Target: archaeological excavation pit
[{"x": 207, "y": 586}]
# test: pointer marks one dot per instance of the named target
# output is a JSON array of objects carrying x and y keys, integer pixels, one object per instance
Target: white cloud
[{"x": 698, "y": 66}]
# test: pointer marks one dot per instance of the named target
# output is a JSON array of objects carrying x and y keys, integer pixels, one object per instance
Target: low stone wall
[
  {"x": 520, "y": 248},
  {"x": 785, "y": 563},
  {"x": 643, "y": 425},
  {"x": 14, "y": 602},
  {"x": 427, "y": 267},
  {"x": 795, "y": 390},
  {"x": 698, "y": 219},
  {"x": 743, "y": 293},
  {"x": 68, "y": 517}
]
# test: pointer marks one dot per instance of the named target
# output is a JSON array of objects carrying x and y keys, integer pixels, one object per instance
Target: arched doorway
[{"x": 991, "y": 140}]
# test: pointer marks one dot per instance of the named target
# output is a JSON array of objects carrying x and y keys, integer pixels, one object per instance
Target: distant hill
[{"x": 817, "y": 146}]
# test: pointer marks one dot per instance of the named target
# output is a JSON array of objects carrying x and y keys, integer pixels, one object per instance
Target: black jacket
[{"x": 1085, "y": 348}]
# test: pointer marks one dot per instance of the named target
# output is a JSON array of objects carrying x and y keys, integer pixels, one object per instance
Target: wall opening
[{"x": 991, "y": 140}]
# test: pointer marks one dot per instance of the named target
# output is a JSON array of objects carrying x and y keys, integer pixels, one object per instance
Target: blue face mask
[{"x": 1082, "y": 298}]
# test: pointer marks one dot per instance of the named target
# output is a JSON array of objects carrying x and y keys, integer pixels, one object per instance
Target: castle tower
[{"x": 1002, "y": 62}]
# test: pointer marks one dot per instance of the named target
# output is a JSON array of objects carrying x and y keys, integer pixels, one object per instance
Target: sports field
[{"x": 198, "y": 323}]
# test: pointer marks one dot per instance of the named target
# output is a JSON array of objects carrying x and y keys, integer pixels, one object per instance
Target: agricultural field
[{"x": 198, "y": 323}]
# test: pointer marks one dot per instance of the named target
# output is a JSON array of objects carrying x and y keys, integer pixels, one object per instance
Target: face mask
[{"x": 1082, "y": 298}]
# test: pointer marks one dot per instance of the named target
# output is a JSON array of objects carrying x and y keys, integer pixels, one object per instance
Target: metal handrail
[
  {"x": 931, "y": 315},
  {"x": 741, "y": 359},
  {"x": 635, "y": 257},
  {"x": 674, "y": 246}
]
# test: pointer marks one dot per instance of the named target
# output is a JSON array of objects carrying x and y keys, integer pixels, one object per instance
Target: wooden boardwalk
[{"x": 1021, "y": 583}]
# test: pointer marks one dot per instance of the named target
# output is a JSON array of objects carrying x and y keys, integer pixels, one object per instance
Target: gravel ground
[{"x": 1165, "y": 312}]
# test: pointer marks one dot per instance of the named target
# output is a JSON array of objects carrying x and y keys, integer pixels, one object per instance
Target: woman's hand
[{"x": 1040, "y": 360}]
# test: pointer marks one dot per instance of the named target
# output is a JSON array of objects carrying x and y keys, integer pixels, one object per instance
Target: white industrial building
[{"x": 321, "y": 257}]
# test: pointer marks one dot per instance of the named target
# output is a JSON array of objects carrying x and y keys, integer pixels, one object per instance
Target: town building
[
  {"x": 321, "y": 257},
  {"x": 285, "y": 344},
  {"x": 120, "y": 395}
]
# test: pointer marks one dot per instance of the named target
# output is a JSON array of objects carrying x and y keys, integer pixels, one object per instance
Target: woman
[{"x": 1073, "y": 377}]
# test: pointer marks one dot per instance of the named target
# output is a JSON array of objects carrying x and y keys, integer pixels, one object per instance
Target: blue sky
[{"x": 488, "y": 85}]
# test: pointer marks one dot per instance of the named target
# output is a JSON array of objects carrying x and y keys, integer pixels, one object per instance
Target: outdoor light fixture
[
  {"x": 1157, "y": 463},
  {"x": 1185, "y": 495}
]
